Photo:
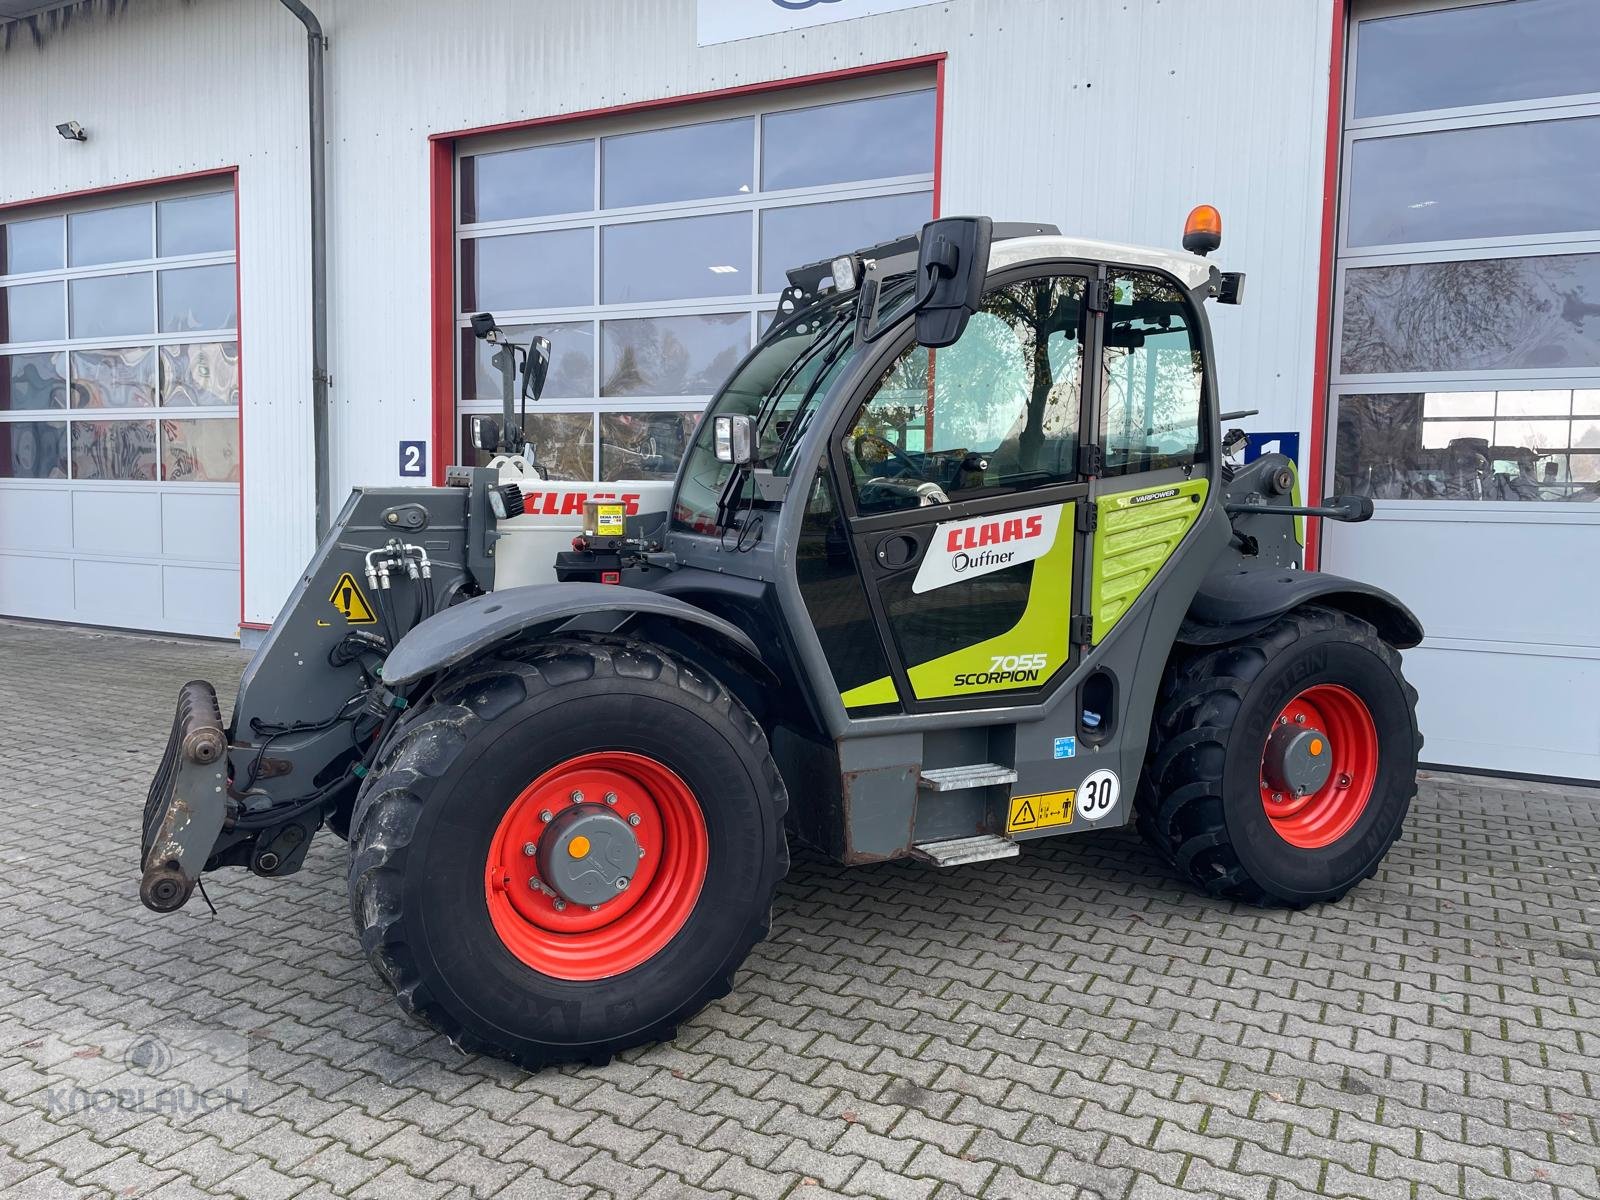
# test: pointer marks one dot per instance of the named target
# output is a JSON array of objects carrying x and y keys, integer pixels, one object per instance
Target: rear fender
[
  {"x": 466, "y": 630},
  {"x": 1239, "y": 601}
]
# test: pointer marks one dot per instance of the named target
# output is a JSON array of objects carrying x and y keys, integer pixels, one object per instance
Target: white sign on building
[{"x": 730, "y": 20}]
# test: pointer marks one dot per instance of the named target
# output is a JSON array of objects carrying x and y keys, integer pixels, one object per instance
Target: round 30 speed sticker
[{"x": 1097, "y": 794}]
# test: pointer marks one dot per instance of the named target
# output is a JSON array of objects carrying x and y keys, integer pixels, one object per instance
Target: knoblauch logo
[
  {"x": 797, "y": 5},
  {"x": 981, "y": 545}
]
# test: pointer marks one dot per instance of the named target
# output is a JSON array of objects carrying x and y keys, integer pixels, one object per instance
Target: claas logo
[
  {"x": 570, "y": 504},
  {"x": 995, "y": 533}
]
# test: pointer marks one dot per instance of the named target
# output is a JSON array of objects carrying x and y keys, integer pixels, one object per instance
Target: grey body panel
[{"x": 472, "y": 626}]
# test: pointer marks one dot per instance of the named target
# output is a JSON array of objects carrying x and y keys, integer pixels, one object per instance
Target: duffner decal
[{"x": 980, "y": 545}]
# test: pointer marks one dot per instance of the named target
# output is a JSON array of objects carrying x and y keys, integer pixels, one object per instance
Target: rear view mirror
[
  {"x": 735, "y": 438},
  {"x": 485, "y": 433},
  {"x": 535, "y": 367},
  {"x": 1349, "y": 508},
  {"x": 952, "y": 261}
]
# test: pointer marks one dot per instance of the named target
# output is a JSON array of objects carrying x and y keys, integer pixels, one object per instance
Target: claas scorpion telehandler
[{"x": 958, "y": 559}]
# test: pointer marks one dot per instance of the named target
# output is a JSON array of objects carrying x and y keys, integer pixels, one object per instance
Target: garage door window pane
[
  {"x": 114, "y": 450},
  {"x": 571, "y": 374},
  {"x": 112, "y": 305},
  {"x": 205, "y": 374},
  {"x": 880, "y": 138},
  {"x": 205, "y": 451},
  {"x": 33, "y": 449},
  {"x": 32, "y": 246},
  {"x": 534, "y": 182},
  {"x": 672, "y": 356},
  {"x": 33, "y": 312},
  {"x": 109, "y": 235},
  {"x": 528, "y": 270},
  {"x": 644, "y": 445},
  {"x": 32, "y": 381},
  {"x": 1473, "y": 315},
  {"x": 114, "y": 378},
  {"x": 690, "y": 162},
  {"x": 676, "y": 260},
  {"x": 1492, "y": 181},
  {"x": 1442, "y": 446},
  {"x": 792, "y": 237},
  {"x": 1477, "y": 54},
  {"x": 563, "y": 443},
  {"x": 198, "y": 298},
  {"x": 195, "y": 224}
]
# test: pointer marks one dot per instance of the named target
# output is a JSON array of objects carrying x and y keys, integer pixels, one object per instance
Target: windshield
[{"x": 783, "y": 381}]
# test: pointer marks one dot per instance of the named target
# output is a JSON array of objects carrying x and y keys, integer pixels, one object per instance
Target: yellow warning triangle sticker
[
  {"x": 1024, "y": 815},
  {"x": 352, "y": 605}
]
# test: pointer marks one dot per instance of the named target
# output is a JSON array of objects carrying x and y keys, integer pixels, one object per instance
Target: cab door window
[
  {"x": 1151, "y": 377},
  {"x": 993, "y": 413}
]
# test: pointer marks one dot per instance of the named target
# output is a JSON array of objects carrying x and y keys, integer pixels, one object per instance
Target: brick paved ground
[{"x": 1071, "y": 1023}]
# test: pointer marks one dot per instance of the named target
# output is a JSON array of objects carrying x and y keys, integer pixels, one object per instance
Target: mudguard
[
  {"x": 1237, "y": 602},
  {"x": 463, "y": 630}
]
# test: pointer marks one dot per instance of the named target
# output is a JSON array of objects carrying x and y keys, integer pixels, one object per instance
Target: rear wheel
[
  {"x": 566, "y": 853},
  {"x": 1281, "y": 767}
]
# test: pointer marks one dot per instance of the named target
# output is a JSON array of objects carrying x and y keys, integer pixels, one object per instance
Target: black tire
[
  {"x": 1199, "y": 803},
  {"x": 424, "y": 821}
]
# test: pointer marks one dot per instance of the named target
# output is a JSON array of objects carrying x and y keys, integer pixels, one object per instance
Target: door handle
[{"x": 896, "y": 550}]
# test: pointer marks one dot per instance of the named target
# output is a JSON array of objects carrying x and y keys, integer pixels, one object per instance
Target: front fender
[
  {"x": 466, "y": 629},
  {"x": 1237, "y": 602}
]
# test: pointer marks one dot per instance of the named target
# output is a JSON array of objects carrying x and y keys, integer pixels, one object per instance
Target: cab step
[
  {"x": 969, "y": 775},
  {"x": 956, "y": 852}
]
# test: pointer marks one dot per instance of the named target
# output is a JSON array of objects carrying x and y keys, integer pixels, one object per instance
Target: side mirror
[
  {"x": 486, "y": 433},
  {"x": 952, "y": 261},
  {"x": 735, "y": 438},
  {"x": 535, "y": 367},
  {"x": 1349, "y": 508}
]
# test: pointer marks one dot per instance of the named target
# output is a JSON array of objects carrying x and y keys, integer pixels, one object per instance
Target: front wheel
[
  {"x": 568, "y": 852},
  {"x": 1282, "y": 766}
]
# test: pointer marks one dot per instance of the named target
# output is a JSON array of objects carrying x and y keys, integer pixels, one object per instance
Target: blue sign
[
  {"x": 1067, "y": 747},
  {"x": 414, "y": 459},
  {"x": 1257, "y": 444}
]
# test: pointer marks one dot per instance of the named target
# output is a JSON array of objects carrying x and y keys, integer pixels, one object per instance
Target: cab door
[{"x": 962, "y": 493}]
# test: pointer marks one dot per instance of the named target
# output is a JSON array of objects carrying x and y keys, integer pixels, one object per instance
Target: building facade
[{"x": 631, "y": 177}]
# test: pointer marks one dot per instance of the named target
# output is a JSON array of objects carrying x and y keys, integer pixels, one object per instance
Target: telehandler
[{"x": 957, "y": 559}]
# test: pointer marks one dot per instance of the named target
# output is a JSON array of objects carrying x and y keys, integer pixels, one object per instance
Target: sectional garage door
[
  {"x": 119, "y": 401},
  {"x": 651, "y": 250}
]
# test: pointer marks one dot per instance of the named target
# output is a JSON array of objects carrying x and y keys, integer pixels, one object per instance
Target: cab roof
[{"x": 1190, "y": 268}]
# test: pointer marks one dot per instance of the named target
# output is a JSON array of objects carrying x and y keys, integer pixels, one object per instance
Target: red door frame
[
  {"x": 231, "y": 174},
  {"x": 441, "y": 189},
  {"x": 1316, "y": 467}
]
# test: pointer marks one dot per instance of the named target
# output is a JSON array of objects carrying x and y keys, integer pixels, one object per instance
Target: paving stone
[{"x": 904, "y": 1033}]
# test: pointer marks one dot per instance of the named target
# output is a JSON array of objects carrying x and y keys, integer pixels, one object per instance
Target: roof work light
[{"x": 1202, "y": 232}]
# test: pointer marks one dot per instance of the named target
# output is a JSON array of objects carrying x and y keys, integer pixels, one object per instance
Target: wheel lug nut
[
  {"x": 622, "y": 884},
  {"x": 545, "y": 816},
  {"x": 633, "y": 818},
  {"x": 1277, "y": 797},
  {"x": 641, "y": 851},
  {"x": 560, "y": 905},
  {"x": 1344, "y": 781},
  {"x": 529, "y": 849},
  {"x": 533, "y": 882},
  {"x": 594, "y": 908},
  {"x": 1283, "y": 720},
  {"x": 611, "y": 797},
  {"x": 577, "y": 797},
  {"x": 1300, "y": 720}
]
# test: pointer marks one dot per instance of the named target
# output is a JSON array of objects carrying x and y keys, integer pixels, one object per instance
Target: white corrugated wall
[{"x": 1109, "y": 117}]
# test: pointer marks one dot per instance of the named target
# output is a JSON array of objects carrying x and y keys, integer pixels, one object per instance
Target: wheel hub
[
  {"x": 596, "y": 865},
  {"x": 587, "y": 855},
  {"x": 1298, "y": 760},
  {"x": 1318, "y": 766}
]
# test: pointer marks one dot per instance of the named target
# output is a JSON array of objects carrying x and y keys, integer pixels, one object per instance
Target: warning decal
[
  {"x": 1039, "y": 812},
  {"x": 352, "y": 605}
]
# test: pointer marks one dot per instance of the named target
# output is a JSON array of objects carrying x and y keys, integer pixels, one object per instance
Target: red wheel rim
[
  {"x": 1322, "y": 817},
  {"x": 573, "y": 941}
]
